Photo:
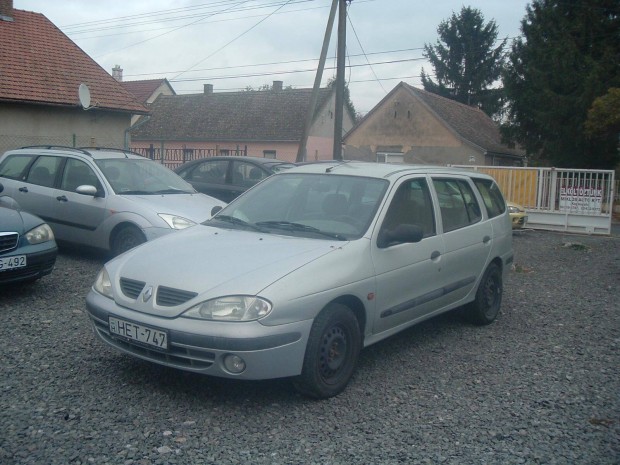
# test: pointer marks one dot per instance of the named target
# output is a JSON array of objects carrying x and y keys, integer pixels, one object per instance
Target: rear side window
[
  {"x": 15, "y": 166},
  {"x": 43, "y": 171},
  {"x": 458, "y": 204},
  {"x": 491, "y": 196}
]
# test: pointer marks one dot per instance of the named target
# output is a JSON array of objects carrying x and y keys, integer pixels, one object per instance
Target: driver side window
[
  {"x": 412, "y": 204},
  {"x": 77, "y": 173}
]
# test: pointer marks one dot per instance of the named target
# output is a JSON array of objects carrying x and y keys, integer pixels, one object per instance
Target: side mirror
[
  {"x": 1, "y": 187},
  {"x": 215, "y": 210},
  {"x": 87, "y": 190},
  {"x": 402, "y": 234}
]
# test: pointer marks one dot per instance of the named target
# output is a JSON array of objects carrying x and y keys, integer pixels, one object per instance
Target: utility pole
[
  {"x": 301, "y": 152},
  {"x": 339, "y": 85},
  {"x": 340, "y": 68}
]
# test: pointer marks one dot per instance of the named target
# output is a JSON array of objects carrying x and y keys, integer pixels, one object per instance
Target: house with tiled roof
[
  {"x": 145, "y": 90},
  {"x": 41, "y": 71},
  {"x": 411, "y": 125},
  {"x": 264, "y": 123}
]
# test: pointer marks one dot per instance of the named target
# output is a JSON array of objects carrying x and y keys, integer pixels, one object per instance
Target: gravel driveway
[{"x": 539, "y": 386}]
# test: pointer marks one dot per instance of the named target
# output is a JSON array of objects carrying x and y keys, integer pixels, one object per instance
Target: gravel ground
[{"x": 539, "y": 386}]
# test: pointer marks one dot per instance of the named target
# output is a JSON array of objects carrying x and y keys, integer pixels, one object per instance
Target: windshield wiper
[
  {"x": 236, "y": 221},
  {"x": 172, "y": 190},
  {"x": 290, "y": 226},
  {"x": 135, "y": 192}
]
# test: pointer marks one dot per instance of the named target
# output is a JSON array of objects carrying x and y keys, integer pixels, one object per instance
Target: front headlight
[
  {"x": 512, "y": 209},
  {"x": 176, "y": 222},
  {"x": 231, "y": 308},
  {"x": 41, "y": 233},
  {"x": 103, "y": 285}
]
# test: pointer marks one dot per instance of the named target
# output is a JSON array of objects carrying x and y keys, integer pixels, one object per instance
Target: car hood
[
  {"x": 10, "y": 220},
  {"x": 212, "y": 262},
  {"x": 195, "y": 207}
]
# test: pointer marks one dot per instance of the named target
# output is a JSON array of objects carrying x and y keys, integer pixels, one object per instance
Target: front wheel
[
  {"x": 331, "y": 354},
  {"x": 127, "y": 238},
  {"x": 484, "y": 309}
]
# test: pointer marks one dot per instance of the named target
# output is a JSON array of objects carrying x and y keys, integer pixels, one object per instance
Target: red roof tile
[
  {"x": 143, "y": 89},
  {"x": 40, "y": 64}
]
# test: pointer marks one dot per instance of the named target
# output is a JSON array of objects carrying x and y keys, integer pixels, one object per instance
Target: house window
[
  {"x": 390, "y": 157},
  {"x": 269, "y": 154}
]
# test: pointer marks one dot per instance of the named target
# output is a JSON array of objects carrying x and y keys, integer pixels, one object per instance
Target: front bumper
[
  {"x": 200, "y": 346},
  {"x": 39, "y": 264}
]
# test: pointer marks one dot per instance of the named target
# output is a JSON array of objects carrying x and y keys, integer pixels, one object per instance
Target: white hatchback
[{"x": 295, "y": 276}]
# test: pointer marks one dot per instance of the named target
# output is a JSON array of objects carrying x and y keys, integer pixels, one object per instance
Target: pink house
[{"x": 261, "y": 123}]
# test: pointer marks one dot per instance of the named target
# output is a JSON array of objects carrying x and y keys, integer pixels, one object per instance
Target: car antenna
[{"x": 331, "y": 168}]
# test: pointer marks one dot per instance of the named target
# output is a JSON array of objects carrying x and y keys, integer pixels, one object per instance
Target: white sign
[{"x": 584, "y": 200}]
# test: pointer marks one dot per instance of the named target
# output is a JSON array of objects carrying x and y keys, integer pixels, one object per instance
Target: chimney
[
  {"x": 208, "y": 88},
  {"x": 117, "y": 72},
  {"x": 277, "y": 85},
  {"x": 6, "y": 10}
]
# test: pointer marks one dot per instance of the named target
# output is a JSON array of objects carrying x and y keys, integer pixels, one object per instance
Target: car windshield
[
  {"x": 310, "y": 205},
  {"x": 129, "y": 176}
]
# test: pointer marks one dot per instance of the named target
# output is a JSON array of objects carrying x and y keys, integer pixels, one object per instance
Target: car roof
[
  {"x": 95, "y": 153},
  {"x": 378, "y": 170}
]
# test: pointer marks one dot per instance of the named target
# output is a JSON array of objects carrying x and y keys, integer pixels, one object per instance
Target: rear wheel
[
  {"x": 485, "y": 308},
  {"x": 331, "y": 354},
  {"x": 127, "y": 238}
]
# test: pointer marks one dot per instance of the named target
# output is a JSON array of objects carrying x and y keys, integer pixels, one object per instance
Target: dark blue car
[{"x": 27, "y": 246}]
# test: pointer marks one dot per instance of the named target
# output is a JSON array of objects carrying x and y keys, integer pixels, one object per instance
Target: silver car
[
  {"x": 104, "y": 198},
  {"x": 297, "y": 275}
]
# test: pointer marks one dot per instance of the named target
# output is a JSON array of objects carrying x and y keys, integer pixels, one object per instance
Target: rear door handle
[
  {"x": 23, "y": 189},
  {"x": 62, "y": 198},
  {"x": 435, "y": 255},
  {"x": 486, "y": 239}
]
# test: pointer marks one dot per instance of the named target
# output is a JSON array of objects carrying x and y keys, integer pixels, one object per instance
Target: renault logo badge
[{"x": 147, "y": 294}]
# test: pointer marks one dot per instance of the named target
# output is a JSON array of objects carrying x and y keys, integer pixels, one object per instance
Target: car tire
[
  {"x": 485, "y": 307},
  {"x": 331, "y": 353},
  {"x": 127, "y": 237}
]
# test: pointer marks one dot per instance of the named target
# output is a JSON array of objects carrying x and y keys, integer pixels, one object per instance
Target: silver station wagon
[{"x": 297, "y": 275}]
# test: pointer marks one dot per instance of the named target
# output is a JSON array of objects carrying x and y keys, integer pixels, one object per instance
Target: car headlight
[
  {"x": 103, "y": 285},
  {"x": 176, "y": 222},
  {"x": 231, "y": 308},
  {"x": 41, "y": 233},
  {"x": 512, "y": 209}
]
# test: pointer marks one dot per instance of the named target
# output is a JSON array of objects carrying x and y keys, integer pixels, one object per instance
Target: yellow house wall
[{"x": 405, "y": 124}]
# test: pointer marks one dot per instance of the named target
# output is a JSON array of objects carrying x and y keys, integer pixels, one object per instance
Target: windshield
[
  {"x": 310, "y": 205},
  {"x": 129, "y": 176}
]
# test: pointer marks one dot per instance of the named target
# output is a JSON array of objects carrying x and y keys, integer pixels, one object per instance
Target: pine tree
[
  {"x": 568, "y": 56},
  {"x": 466, "y": 61}
]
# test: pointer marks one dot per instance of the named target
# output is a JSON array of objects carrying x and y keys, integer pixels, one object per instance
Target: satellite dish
[{"x": 84, "y": 95}]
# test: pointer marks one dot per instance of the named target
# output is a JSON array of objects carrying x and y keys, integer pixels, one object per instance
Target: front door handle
[
  {"x": 435, "y": 255},
  {"x": 23, "y": 189},
  {"x": 62, "y": 198},
  {"x": 486, "y": 239}
]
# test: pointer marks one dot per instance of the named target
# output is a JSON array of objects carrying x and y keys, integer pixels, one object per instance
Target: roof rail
[
  {"x": 110, "y": 149},
  {"x": 56, "y": 147}
]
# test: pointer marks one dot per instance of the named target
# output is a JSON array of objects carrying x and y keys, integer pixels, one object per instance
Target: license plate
[
  {"x": 139, "y": 333},
  {"x": 10, "y": 263}
]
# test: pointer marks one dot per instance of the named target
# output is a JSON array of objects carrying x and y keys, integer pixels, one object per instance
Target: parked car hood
[
  {"x": 10, "y": 220},
  {"x": 213, "y": 262},
  {"x": 196, "y": 207}
]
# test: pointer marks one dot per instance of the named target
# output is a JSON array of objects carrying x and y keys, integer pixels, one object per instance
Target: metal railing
[
  {"x": 572, "y": 200},
  {"x": 175, "y": 157}
]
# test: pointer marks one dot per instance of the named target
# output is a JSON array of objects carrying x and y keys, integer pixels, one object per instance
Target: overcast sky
[{"x": 234, "y": 44}]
